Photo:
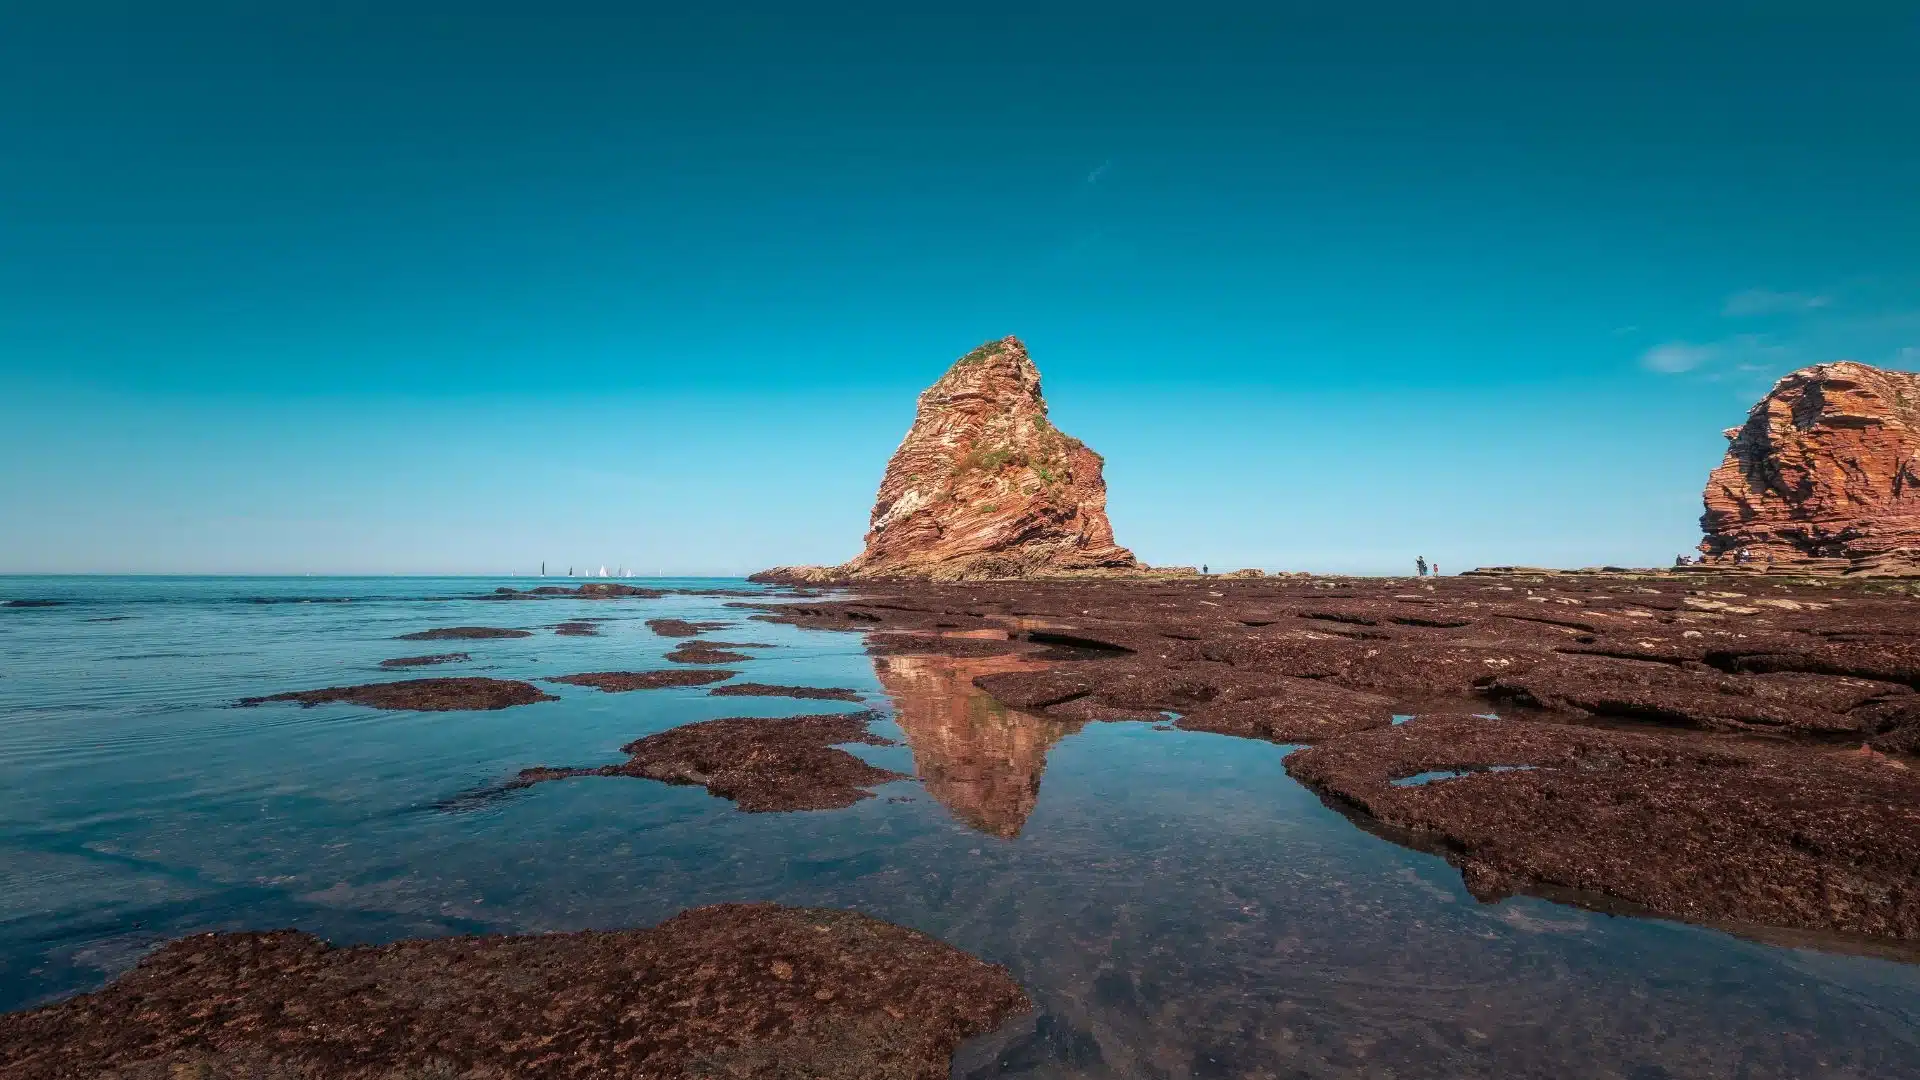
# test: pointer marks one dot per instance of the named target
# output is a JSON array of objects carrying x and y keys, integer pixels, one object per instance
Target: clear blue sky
[{"x": 407, "y": 286}]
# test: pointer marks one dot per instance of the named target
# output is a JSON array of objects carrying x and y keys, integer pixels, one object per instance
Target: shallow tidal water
[{"x": 1174, "y": 903}]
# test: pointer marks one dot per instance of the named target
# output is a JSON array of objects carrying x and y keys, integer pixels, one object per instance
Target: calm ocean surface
[{"x": 1177, "y": 906}]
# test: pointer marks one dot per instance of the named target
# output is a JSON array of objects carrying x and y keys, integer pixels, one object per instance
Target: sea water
[{"x": 1174, "y": 903}]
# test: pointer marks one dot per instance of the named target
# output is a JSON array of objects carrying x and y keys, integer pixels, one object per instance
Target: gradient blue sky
[{"x": 449, "y": 287}]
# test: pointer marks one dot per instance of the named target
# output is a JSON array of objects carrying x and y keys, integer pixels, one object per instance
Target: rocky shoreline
[{"x": 1728, "y": 757}]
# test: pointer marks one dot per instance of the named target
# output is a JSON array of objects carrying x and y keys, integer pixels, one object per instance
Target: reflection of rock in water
[{"x": 981, "y": 759}]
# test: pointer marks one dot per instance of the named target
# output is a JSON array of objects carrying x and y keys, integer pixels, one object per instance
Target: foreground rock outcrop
[
  {"x": 418, "y": 695},
  {"x": 731, "y": 990},
  {"x": 1827, "y": 467},
  {"x": 984, "y": 486}
]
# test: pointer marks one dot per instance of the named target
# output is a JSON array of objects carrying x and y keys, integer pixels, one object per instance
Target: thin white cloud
[
  {"x": 1754, "y": 302},
  {"x": 1099, "y": 171},
  {"x": 1674, "y": 357}
]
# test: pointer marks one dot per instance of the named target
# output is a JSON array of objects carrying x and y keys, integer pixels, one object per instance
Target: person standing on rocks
[
  {"x": 1420, "y": 565},
  {"x": 1436, "y": 569}
]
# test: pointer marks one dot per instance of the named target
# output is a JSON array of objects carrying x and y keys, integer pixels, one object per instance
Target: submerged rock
[
  {"x": 426, "y": 661},
  {"x": 597, "y": 590},
  {"x": 682, "y": 628},
  {"x": 730, "y": 990},
  {"x": 420, "y": 695},
  {"x": 463, "y": 633},
  {"x": 1711, "y": 830},
  {"x": 761, "y": 764},
  {"x": 984, "y": 486},
  {"x": 1827, "y": 466},
  {"x": 705, "y": 652},
  {"x": 614, "y": 682},
  {"x": 817, "y": 693},
  {"x": 577, "y": 628}
]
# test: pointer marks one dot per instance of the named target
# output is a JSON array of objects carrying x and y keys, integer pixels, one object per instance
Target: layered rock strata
[
  {"x": 1827, "y": 467},
  {"x": 984, "y": 486}
]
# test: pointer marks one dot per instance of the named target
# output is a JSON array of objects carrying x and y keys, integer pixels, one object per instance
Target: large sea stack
[
  {"x": 984, "y": 486},
  {"x": 1826, "y": 468}
]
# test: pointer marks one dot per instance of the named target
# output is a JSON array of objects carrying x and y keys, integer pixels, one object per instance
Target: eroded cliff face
[
  {"x": 1827, "y": 466},
  {"x": 984, "y": 486}
]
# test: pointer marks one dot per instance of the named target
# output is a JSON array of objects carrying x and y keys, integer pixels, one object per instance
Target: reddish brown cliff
[
  {"x": 984, "y": 486},
  {"x": 1827, "y": 466}
]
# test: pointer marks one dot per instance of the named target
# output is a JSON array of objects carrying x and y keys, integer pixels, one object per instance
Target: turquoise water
[{"x": 1176, "y": 905}]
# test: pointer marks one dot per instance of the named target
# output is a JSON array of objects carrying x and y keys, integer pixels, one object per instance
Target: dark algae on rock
[
  {"x": 614, "y": 682},
  {"x": 426, "y": 661},
  {"x": 760, "y": 763},
  {"x": 422, "y": 695},
  {"x": 464, "y": 633},
  {"x": 705, "y": 652},
  {"x": 682, "y": 628},
  {"x": 1721, "y": 830},
  {"x": 814, "y": 693},
  {"x": 730, "y": 990}
]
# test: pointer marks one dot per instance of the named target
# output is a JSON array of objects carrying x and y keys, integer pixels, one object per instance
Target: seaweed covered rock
[
  {"x": 721, "y": 991},
  {"x": 1717, "y": 831}
]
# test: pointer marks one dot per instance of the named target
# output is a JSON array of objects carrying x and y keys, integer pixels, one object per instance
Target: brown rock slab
[
  {"x": 426, "y": 661},
  {"x": 420, "y": 695},
  {"x": 705, "y": 652},
  {"x": 761, "y": 764},
  {"x": 1695, "y": 827},
  {"x": 682, "y": 628},
  {"x": 1028, "y": 689},
  {"x": 576, "y": 628},
  {"x": 815, "y": 693},
  {"x": 936, "y": 645},
  {"x": 464, "y": 633},
  {"x": 615, "y": 682},
  {"x": 1306, "y": 711},
  {"x": 731, "y": 990},
  {"x": 1670, "y": 694}
]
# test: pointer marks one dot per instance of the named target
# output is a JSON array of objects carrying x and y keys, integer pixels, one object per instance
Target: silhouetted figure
[
  {"x": 1682, "y": 560},
  {"x": 1203, "y": 569},
  {"x": 1420, "y": 565}
]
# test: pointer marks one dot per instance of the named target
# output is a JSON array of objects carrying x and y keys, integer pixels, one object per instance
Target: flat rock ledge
[
  {"x": 810, "y": 693},
  {"x": 705, "y": 652},
  {"x": 419, "y": 695},
  {"x": 1721, "y": 831},
  {"x": 730, "y": 990},
  {"x": 761, "y": 764},
  {"x": 464, "y": 633},
  {"x": 683, "y": 628},
  {"x": 614, "y": 682},
  {"x": 427, "y": 661}
]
